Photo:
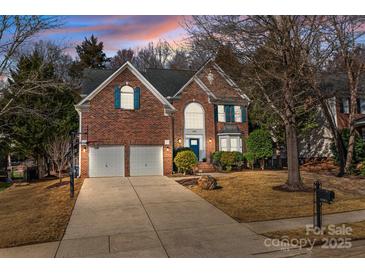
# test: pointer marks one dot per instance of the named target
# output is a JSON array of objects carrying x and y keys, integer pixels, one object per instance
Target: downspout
[{"x": 80, "y": 141}]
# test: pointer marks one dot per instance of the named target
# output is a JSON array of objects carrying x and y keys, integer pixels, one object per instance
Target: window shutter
[
  {"x": 244, "y": 114},
  {"x": 232, "y": 113},
  {"x": 116, "y": 97},
  {"x": 215, "y": 113},
  {"x": 137, "y": 95},
  {"x": 227, "y": 112}
]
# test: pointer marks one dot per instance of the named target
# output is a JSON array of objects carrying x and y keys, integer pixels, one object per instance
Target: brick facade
[
  {"x": 149, "y": 125},
  {"x": 145, "y": 126},
  {"x": 194, "y": 93}
]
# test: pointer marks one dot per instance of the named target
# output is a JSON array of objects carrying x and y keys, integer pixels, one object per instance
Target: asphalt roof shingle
[{"x": 166, "y": 81}]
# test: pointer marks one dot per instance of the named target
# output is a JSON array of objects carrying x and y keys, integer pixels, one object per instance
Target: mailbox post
[{"x": 320, "y": 196}]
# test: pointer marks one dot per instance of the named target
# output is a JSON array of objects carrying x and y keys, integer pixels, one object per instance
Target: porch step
[{"x": 203, "y": 167}]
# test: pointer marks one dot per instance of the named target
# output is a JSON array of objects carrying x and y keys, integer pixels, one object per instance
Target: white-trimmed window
[
  {"x": 237, "y": 114},
  {"x": 230, "y": 143},
  {"x": 127, "y": 97},
  {"x": 194, "y": 116},
  {"x": 221, "y": 114},
  {"x": 223, "y": 144},
  {"x": 235, "y": 144}
]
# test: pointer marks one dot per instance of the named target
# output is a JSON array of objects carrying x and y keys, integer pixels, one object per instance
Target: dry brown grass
[
  {"x": 248, "y": 196},
  {"x": 34, "y": 214}
]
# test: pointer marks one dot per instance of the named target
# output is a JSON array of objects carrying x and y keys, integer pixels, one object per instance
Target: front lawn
[
  {"x": 35, "y": 213},
  {"x": 248, "y": 196}
]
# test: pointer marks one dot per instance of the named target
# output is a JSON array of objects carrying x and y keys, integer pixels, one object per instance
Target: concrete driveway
[{"x": 154, "y": 217}]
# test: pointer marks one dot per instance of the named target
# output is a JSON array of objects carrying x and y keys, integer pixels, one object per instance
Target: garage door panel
[
  {"x": 146, "y": 160},
  {"x": 106, "y": 161}
]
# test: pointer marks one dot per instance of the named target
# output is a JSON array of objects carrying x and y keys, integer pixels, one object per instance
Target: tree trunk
[
  {"x": 350, "y": 150},
  {"x": 60, "y": 174},
  {"x": 294, "y": 180},
  {"x": 8, "y": 168},
  {"x": 262, "y": 163},
  {"x": 353, "y": 83}
]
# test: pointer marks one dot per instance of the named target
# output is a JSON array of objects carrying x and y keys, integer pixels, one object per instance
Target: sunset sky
[{"x": 117, "y": 31}]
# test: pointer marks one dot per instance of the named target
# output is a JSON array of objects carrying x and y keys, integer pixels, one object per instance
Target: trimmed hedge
[
  {"x": 185, "y": 161},
  {"x": 228, "y": 160}
]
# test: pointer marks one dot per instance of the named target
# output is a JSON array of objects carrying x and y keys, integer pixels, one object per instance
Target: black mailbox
[{"x": 326, "y": 196}]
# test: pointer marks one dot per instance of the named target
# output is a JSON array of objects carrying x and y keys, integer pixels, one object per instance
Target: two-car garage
[{"x": 109, "y": 160}]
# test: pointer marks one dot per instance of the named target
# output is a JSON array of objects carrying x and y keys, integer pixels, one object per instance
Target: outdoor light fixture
[
  {"x": 83, "y": 148},
  {"x": 210, "y": 140},
  {"x": 179, "y": 140}
]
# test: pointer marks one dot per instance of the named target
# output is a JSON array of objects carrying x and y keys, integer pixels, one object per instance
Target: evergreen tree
[
  {"x": 91, "y": 53},
  {"x": 50, "y": 112}
]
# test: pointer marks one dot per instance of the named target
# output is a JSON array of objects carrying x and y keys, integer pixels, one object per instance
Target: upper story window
[
  {"x": 194, "y": 116},
  {"x": 127, "y": 97},
  {"x": 221, "y": 114},
  {"x": 237, "y": 114},
  {"x": 345, "y": 105},
  {"x": 230, "y": 113}
]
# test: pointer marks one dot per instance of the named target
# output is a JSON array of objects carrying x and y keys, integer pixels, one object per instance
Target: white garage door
[
  {"x": 146, "y": 160},
  {"x": 106, "y": 161}
]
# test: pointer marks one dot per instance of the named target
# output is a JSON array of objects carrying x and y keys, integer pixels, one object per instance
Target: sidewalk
[{"x": 293, "y": 223}]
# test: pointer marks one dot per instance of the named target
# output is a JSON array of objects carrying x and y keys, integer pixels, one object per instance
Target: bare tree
[
  {"x": 346, "y": 32},
  {"x": 121, "y": 57},
  {"x": 58, "y": 150},
  {"x": 271, "y": 48},
  {"x": 154, "y": 56},
  {"x": 318, "y": 56},
  {"x": 17, "y": 30}
]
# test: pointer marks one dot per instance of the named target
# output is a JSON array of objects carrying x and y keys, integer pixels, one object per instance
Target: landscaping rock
[{"x": 207, "y": 182}]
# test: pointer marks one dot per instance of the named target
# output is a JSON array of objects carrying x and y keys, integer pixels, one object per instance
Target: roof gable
[
  {"x": 114, "y": 74},
  {"x": 219, "y": 95}
]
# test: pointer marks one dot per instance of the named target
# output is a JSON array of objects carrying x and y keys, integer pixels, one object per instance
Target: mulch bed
[
  {"x": 286, "y": 188},
  {"x": 188, "y": 182},
  {"x": 58, "y": 184}
]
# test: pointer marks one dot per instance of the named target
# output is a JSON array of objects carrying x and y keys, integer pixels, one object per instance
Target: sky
[{"x": 116, "y": 32}]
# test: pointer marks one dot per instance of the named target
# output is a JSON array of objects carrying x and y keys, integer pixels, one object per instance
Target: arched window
[
  {"x": 194, "y": 116},
  {"x": 127, "y": 97}
]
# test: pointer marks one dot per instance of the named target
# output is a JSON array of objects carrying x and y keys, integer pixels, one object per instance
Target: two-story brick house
[{"x": 131, "y": 121}]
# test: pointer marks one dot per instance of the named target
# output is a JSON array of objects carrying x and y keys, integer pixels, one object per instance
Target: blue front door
[{"x": 194, "y": 145}]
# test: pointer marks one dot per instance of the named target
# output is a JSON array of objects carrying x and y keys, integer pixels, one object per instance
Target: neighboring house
[
  {"x": 343, "y": 112},
  {"x": 318, "y": 143},
  {"x": 132, "y": 121}
]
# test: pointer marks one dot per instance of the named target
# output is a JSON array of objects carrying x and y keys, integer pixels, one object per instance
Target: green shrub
[
  {"x": 185, "y": 161},
  {"x": 259, "y": 146},
  {"x": 227, "y": 160},
  {"x": 250, "y": 157},
  {"x": 179, "y": 149},
  {"x": 216, "y": 156}
]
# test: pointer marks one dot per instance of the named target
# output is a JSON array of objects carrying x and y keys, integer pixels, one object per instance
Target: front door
[{"x": 194, "y": 145}]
